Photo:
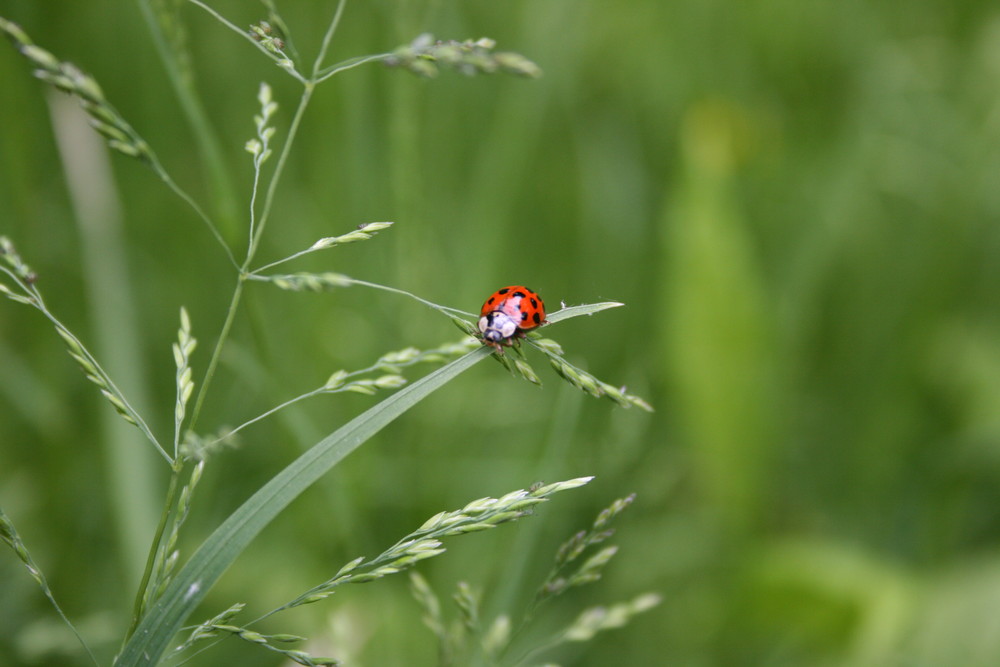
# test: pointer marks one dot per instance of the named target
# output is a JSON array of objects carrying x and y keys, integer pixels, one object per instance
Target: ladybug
[{"x": 508, "y": 313}]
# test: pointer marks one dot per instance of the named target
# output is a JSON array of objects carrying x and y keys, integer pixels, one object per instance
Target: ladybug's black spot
[
  {"x": 534, "y": 302},
  {"x": 519, "y": 293},
  {"x": 503, "y": 291},
  {"x": 536, "y": 318},
  {"x": 524, "y": 316},
  {"x": 490, "y": 301}
]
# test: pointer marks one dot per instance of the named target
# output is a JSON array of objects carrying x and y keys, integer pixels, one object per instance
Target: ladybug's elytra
[{"x": 508, "y": 313}]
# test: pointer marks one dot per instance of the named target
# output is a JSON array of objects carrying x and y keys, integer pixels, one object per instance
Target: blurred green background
[{"x": 797, "y": 200}]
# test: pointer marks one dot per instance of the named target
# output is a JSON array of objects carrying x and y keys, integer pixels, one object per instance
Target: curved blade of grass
[
  {"x": 576, "y": 311},
  {"x": 192, "y": 583}
]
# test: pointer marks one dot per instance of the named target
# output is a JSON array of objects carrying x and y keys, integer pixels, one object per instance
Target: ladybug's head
[{"x": 497, "y": 326}]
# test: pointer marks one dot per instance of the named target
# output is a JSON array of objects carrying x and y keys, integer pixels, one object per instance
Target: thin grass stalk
[
  {"x": 275, "y": 409},
  {"x": 447, "y": 310},
  {"x": 350, "y": 63},
  {"x": 272, "y": 188},
  {"x": 189, "y": 200},
  {"x": 213, "y": 361},
  {"x": 327, "y": 39}
]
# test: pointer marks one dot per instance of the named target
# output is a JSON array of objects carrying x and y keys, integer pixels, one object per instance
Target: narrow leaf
[
  {"x": 585, "y": 309},
  {"x": 153, "y": 635}
]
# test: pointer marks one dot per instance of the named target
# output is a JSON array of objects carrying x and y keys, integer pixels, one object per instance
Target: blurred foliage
[{"x": 795, "y": 199}]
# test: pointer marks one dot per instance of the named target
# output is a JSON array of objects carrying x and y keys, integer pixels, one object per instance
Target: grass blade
[
  {"x": 192, "y": 583},
  {"x": 576, "y": 311}
]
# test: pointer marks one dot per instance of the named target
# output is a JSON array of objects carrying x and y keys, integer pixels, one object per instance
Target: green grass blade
[
  {"x": 192, "y": 583},
  {"x": 576, "y": 311}
]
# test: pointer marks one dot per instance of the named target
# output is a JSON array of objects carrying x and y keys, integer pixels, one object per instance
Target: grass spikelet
[
  {"x": 545, "y": 490},
  {"x": 613, "y": 510},
  {"x": 12, "y": 264},
  {"x": 10, "y": 537},
  {"x": 526, "y": 371},
  {"x": 95, "y": 374},
  {"x": 263, "y": 32},
  {"x": 557, "y": 583},
  {"x": 425, "y": 55},
  {"x": 336, "y": 381},
  {"x": 481, "y": 514},
  {"x": 183, "y": 348},
  {"x": 467, "y": 600},
  {"x": 278, "y": 27},
  {"x": 371, "y": 386},
  {"x": 200, "y": 447},
  {"x": 260, "y": 146},
  {"x": 364, "y": 232},
  {"x": 588, "y": 383},
  {"x": 115, "y": 401},
  {"x": 68, "y": 78},
  {"x": 591, "y": 569},
  {"x": 546, "y": 345},
  {"x": 449, "y": 636},
  {"x": 433, "y": 522},
  {"x": 598, "y": 619},
  {"x": 393, "y": 361},
  {"x": 465, "y": 326},
  {"x": 6, "y": 291},
  {"x": 311, "y": 282},
  {"x": 428, "y": 601},
  {"x": 76, "y": 351},
  {"x": 220, "y": 625},
  {"x": 497, "y": 636}
]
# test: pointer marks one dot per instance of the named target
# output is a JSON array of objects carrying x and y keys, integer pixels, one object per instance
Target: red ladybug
[{"x": 508, "y": 313}]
